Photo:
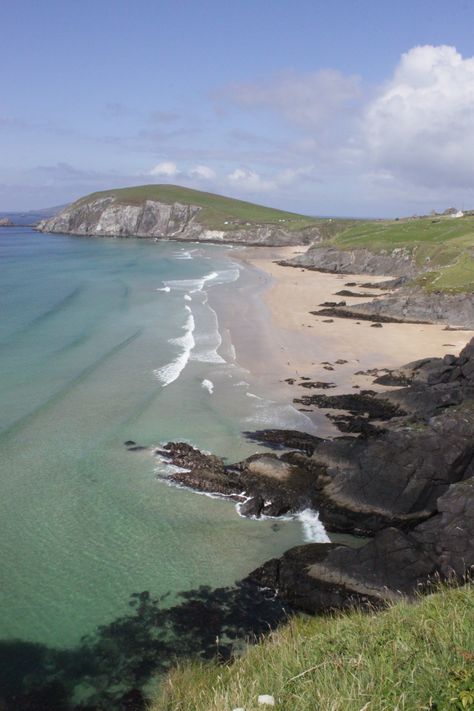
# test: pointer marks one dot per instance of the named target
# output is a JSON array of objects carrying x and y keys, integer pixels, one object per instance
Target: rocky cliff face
[
  {"x": 398, "y": 262},
  {"x": 107, "y": 217}
]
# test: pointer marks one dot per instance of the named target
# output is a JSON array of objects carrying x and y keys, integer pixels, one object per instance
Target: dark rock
[
  {"x": 364, "y": 403},
  {"x": 284, "y": 439},
  {"x": 137, "y": 448},
  {"x": 346, "y": 292},
  {"x": 318, "y": 384},
  {"x": 283, "y": 483},
  {"x": 375, "y": 325},
  {"x": 394, "y": 477},
  {"x": 129, "y": 443},
  {"x": 353, "y": 314},
  {"x": 333, "y": 303},
  {"x": 320, "y": 578}
]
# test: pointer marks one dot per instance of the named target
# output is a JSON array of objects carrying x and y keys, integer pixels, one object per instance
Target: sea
[{"x": 102, "y": 342}]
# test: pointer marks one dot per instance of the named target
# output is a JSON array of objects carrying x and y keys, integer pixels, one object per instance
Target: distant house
[{"x": 459, "y": 213}]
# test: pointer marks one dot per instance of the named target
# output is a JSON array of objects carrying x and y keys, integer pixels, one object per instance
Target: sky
[{"x": 344, "y": 107}]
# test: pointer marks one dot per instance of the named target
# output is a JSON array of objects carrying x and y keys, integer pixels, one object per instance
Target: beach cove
[{"x": 93, "y": 521}]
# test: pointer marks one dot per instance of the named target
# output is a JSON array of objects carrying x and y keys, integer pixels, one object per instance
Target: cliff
[{"x": 171, "y": 212}]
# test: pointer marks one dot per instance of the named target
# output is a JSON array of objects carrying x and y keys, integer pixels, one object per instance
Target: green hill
[
  {"x": 218, "y": 212},
  {"x": 443, "y": 246}
]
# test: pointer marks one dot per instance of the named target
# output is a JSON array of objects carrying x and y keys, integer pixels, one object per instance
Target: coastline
[
  {"x": 404, "y": 482},
  {"x": 277, "y": 339}
]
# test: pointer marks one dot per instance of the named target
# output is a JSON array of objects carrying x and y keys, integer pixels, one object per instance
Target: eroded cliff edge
[{"x": 180, "y": 214}]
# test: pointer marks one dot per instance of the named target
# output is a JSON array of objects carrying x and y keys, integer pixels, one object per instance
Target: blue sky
[{"x": 354, "y": 107}]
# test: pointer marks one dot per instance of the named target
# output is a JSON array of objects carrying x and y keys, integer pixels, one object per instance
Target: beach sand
[{"x": 276, "y": 338}]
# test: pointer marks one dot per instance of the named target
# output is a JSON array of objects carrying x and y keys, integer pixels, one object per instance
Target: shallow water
[{"x": 103, "y": 341}]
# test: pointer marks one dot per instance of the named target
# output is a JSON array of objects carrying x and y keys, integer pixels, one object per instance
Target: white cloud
[
  {"x": 202, "y": 172},
  {"x": 249, "y": 180},
  {"x": 421, "y": 125},
  {"x": 167, "y": 169},
  {"x": 305, "y": 99}
]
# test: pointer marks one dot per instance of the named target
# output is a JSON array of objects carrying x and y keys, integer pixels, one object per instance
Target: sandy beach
[{"x": 277, "y": 338}]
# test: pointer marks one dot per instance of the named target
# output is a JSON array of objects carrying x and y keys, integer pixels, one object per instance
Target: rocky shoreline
[
  {"x": 405, "y": 302},
  {"x": 406, "y": 480}
]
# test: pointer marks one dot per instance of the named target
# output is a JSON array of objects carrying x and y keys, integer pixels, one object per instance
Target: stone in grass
[{"x": 266, "y": 700}]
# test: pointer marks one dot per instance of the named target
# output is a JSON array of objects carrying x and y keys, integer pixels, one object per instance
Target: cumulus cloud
[
  {"x": 421, "y": 125},
  {"x": 306, "y": 99},
  {"x": 251, "y": 181},
  {"x": 202, "y": 172},
  {"x": 166, "y": 169}
]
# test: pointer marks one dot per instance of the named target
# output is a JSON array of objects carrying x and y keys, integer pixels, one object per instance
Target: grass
[
  {"x": 444, "y": 246},
  {"x": 409, "y": 657},
  {"x": 217, "y": 210}
]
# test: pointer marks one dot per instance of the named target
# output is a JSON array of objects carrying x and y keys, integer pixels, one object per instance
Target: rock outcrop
[
  {"x": 398, "y": 262},
  {"x": 408, "y": 303},
  {"x": 109, "y": 217},
  {"x": 407, "y": 482},
  {"x": 319, "y": 578}
]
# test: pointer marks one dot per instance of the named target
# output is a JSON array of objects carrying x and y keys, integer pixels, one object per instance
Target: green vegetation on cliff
[
  {"x": 409, "y": 657},
  {"x": 443, "y": 246},
  {"x": 218, "y": 212}
]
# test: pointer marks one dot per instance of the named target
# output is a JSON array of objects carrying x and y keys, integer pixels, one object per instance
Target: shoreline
[
  {"x": 404, "y": 482},
  {"x": 290, "y": 343}
]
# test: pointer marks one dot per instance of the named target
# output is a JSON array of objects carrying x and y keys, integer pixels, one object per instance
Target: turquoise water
[{"x": 102, "y": 341}]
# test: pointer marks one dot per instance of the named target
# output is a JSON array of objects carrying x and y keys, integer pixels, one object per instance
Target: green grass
[
  {"x": 216, "y": 209},
  {"x": 444, "y": 246},
  {"x": 409, "y": 657}
]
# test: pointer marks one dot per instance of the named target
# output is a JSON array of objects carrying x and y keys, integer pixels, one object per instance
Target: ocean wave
[
  {"x": 170, "y": 372},
  {"x": 269, "y": 414},
  {"x": 164, "y": 288},
  {"x": 313, "y": 529},
  {"x": 208, "y": 343},
  {"x": 191, "y": 285},
  {"x": 224, "y": 276},
  {"x": 208, "y": 385},
  {"x": 183, "y": 254}
]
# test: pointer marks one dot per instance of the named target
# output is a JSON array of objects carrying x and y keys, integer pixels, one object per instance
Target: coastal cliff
[{"x": 171, "y": 212}]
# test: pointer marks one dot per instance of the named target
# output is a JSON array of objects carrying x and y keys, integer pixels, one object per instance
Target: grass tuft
[{"x": 410, "y": 657}]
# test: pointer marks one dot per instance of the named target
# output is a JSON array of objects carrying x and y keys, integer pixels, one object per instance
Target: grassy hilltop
[
  {"x": 218, "y": 212},
  {"x": 411, "y": 657},
  {"x": 442, "y": 245}
]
